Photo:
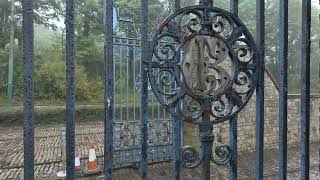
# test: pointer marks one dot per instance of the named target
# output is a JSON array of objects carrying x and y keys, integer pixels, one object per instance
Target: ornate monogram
[{"x": 202, "y": 67}]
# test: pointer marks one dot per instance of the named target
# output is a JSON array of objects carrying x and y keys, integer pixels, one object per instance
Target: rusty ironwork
[
  {"x": 203, "y": 70},
  {"x": 218, "y": 64},
  {"x": 203, "y": 67}
]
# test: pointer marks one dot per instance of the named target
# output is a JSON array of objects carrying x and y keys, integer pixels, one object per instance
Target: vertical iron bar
[
  {"x": 206, "y": 137},
  {"x": 121, "y": 153},
  {"x": 260, "y": 39},
  {"x": 208, "y": 3},
  {"x": 181, "y": 106},
  {"x": 177, "y": 128},
  {"x": 177, "y": 147},
  {"x": 283, "y": 91},
  {"x": 127, "y": 78},
  {"x": 159, "y": 108},
  {"x": 70, "y": 139},
  {"x": 121, "y": 90},
  {"x": 233, "y": 171},
  {"x": 28, "y": 137},
  {"x": 163, "y": 109},
  {"x": 234, "y": 7},
  {"x": 109, "y": 92},
  {"x": 206, "y": 127},
  {"x": 144, "y": 90},
  {"x": 152, "y": 109},
  {"x": 134, "y": 83},
  {"x": 305, "y": 89},
  {"x": 140, "y": 73},
  {"x": 177, "y": 4},
  {"x": 159, "y": 105},
  {"x": 114, "y": 74}
]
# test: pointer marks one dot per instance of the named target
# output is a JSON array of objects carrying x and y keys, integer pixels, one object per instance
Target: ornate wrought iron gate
[
  {"x": 205, "y": 105},
  {"x": 127, "y": 76}
]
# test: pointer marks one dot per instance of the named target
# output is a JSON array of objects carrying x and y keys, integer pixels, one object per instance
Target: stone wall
[{"x": 246, "y": 121}]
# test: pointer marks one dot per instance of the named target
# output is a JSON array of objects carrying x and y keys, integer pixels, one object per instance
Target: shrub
[
  {"x": 56, "y": 114},
  {"x": 50, "y": 81}
]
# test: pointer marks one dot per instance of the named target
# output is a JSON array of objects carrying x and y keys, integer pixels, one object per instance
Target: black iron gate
[{"x": 205, "y": 27}]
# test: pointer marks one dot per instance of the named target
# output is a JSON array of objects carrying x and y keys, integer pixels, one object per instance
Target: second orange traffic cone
[{"x": 92, "y": 166}]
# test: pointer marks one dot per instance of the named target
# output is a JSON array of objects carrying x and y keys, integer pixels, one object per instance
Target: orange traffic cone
[
  {"x": 77, "y": 164},
  {"x": 92, "y": 166}
]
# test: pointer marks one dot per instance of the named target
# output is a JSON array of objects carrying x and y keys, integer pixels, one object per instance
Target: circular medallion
[{"x": 202, "y": 55}]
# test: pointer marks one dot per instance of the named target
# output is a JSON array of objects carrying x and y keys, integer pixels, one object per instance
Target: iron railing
[{"x": 109, "y": 92}]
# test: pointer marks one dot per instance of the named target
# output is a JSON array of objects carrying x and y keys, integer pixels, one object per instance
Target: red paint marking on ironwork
[
  {"x": 188, "y": 38},
  {"x": 162, "y": 24},
  {"x": 168, "y": 106},
  {"x": 188, "y": 120},
  {"x": 206, "y": 113}
]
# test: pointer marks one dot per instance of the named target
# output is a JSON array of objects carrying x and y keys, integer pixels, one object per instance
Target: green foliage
[
  {"x": 50, "y": 82},
  {"x": 3, "y": 73},
  {"x": 89, "y": 54},
  {"x": 132, "y": 8},
  {"x": 52, "y": 115},
  {"x": 247, "y": 14},
  {"x": 50, "y": 77},
  {"x": 49, "y": 51},
  {"x": 45, "y": 13},
  {"x": 56, "y": 114}
]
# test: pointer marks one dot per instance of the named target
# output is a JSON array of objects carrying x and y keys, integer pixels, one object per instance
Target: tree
[
  {"x": 89, "y": 40},
  {"x": 247, "y": 14},
  {"x": 45, "y": 13}
]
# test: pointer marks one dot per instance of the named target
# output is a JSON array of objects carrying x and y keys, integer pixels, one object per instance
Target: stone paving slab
[
  {"x": 246, "y": 164},
  {"x": 48, "y": 159}
]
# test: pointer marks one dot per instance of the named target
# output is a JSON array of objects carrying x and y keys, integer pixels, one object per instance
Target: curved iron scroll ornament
[
  {"x": 192, "y": 159},
  {"x": 203, "y": 70}
]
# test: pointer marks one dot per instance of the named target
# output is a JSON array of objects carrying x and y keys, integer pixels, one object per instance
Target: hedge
[{"x": 56, "y": 114}]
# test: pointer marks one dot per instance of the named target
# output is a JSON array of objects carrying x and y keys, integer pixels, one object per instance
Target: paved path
[{"x": 48, "y": 157}]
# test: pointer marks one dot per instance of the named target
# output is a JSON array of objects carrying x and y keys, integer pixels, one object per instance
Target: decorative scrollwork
[
  {"x": 192, "y": 108},
  {"x": 223, "y": 153},
  {"x": 190, "y": 158},
  {"x": 202, "y": 54}
]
